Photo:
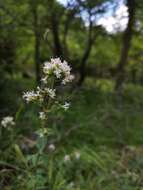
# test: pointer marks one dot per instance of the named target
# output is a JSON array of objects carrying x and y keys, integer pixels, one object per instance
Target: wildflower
[
  {"x": 66, "y": 106},
  {"x": 7, "y": 121},
  {"x": 65, "y": 68},
  {"x": 71, "y": 184},
  {"x": 50, "y": 92},
  {"x": 29, "y": 96},
  {"x": 32, "y": 96},
  {"x": 48, "y": 68},
  {"x": 42, "y": 115},
  {"x": 77, "y": 155},
  {"x": 58, "y": 73},
  {"x": 56, "y": 69},
  {"x": 67, "y": 79},
  {"x": 67, "y": 158},
  {"x": 59, "y": 69},
  {"x": 52, "y": 147}
]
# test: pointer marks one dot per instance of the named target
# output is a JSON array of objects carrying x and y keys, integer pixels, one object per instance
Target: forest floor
[{"x": 107, "y": 130}]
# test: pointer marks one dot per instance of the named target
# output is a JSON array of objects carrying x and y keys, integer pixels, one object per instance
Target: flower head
[
  {"x": 61, "y": 70},
  {"x": 7, "y": 121},
  {"x": 39, "y": 94},
  {"x": 71, "y": 185},
  {"x": 77, "y": 155},
  {"x": 67, "y": 158},
  {"x": 42, "y": 115},
  {"x": 66, "y": 106},
  {"x": 51, "y": 147},
  {"x": 50, "y": 92},
  {"x": 67, "y": 79},
  {"x": 32, "y": 96}
]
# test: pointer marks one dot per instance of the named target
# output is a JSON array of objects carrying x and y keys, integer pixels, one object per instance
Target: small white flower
[
  {"x": 48, "y": 67},
  {"x": 42, "y": 115},
  {"x": 29, "y": 96},
  {"x": 50, "y": 92},
  {"x": 66, "y": 106},
  {"x": 65, "y": 67},
  {"x": 32, "y": 96},
  {"x": 67, "y": 158},
  {"x": 7, "y": 121},
  {"x": 71, "y": 184},
  {"x": 57, "y": 72},
  {"x": 67, "y": 79},
  {"x": 51, "y": 147},
  {"x": 77, "y": 155}
]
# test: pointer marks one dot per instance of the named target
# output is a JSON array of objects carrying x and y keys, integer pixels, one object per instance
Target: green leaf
[
  {"x": 19, "y": 154},
  {"x": 41, "y": 143}
]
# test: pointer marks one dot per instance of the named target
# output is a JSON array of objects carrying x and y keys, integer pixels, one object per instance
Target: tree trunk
[
  {"x": 56, "y": 38},
  {"x": 85, "y": 56},
  {"x": 37, "y": 44},
  {"x": 37, "y": 57},
  {"x": 126, "y": 45},
  {"x": 70, "y": 18}
]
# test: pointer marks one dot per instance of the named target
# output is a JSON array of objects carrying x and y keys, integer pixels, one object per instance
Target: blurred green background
[{"x": 102, "y": 40}]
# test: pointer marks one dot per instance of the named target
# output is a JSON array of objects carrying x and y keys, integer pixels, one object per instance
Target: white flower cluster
[
  {"x": 51, "y": 92},
  {"x": 53, "y": 70},
  {"x": 39, "y": 94},
  {"x": 7, "y": 121},
  {"x": 61, "y": 70},
  {"x": 30, "y": 96}
]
